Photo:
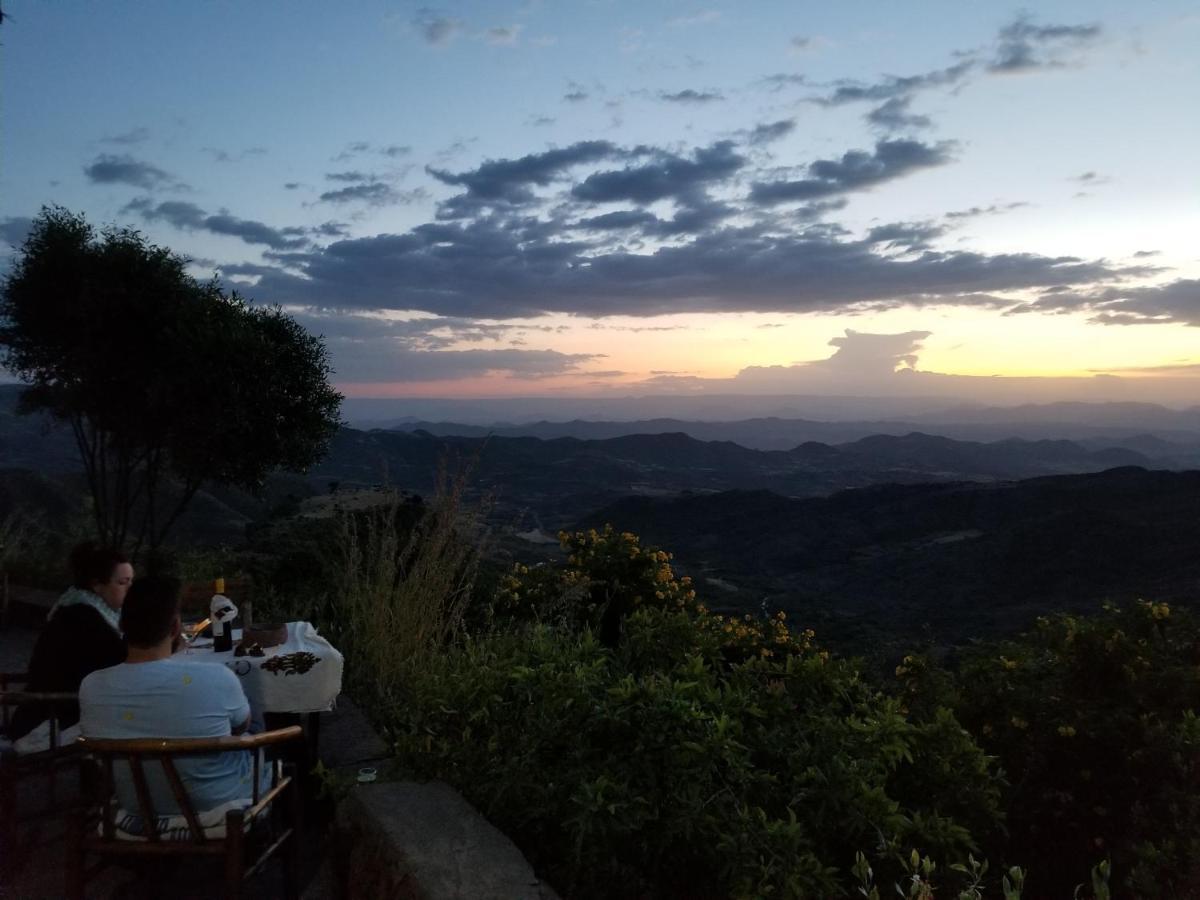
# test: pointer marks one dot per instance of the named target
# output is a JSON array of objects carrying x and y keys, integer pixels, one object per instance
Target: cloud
[
  {"x": 1174, "y": 302},
  {"x": 1091, "y": 179},
  {"x": 690, "y": 96},
  {"x": 668, "y": 175},
  {"x": 441, "y": 365},
  {"x": 862, "y": 354},
  {"x": 1026, "y": 47},
  {"x": 252, "y": 232},
  {"x": 331, "y": 229},
  {"x": 372, "y": 348},
  {"x": 891, "y": 86},
  {"x": 224, "y": 156},
  {"x": 175, "y": 212},
  {"x": 1189, "y": 370},
  {"x": 894, "y": 94},
  {"x": 436, "y": 27},
  {"x": 349, "y": 177},
  {"x": 894, "y": 115},
  {"x": 291, "y": 185},
  {"x": 575, "y": 93},
  {"x": 351, "y": 150},
  {"x": 540, "y": 121},
  {"x": 376, "y": 351},
  {"x": 503, "y": 269},
  {"x": 906, "y": 235},
  {"x": 372, "y": 193},
  {"x": 108, "y": 168},
  {"x": 619, "y": 220},
  {"x": 395, "y": 150},
  {"x": 703, "y": 17},
  {"x": 856, "y": 170},
  {"x": 503, "y": 35},
  {"x": 189, "y": 216},
  {"x": 994, "y": 209},
  {"x": 887, "y": 365},
  {"x": 779, "y": 81},
  {"x": 509, "y": 180},
  {"x": 15, "y": 229},
  {"x": 771, "y": 131},
  {"x": 133, "y": 136}
]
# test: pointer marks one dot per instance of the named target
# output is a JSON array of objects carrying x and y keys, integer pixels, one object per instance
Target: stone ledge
[{"x": 413, "y": 841}]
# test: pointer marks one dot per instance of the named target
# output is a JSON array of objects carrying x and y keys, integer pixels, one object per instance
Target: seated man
[{"x": 157, "y": 694}]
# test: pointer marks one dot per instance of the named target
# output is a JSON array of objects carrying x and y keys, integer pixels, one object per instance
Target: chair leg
[
  {"x": 234, "y": 853},
  {"x": 8, "y": 828},
  {"x": 76, "y": 868},
  {"x": 292, "y": 857}
]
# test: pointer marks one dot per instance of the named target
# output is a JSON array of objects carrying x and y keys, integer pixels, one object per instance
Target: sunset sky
[{"x": 609, "y": 198}]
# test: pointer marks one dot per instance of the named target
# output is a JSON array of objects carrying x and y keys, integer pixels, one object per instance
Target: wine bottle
[{"x": 222, "y": 612}]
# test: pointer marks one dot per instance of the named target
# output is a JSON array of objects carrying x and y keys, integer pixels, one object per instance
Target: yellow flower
[
  {"x": 1008, "y": 664},
  {"x": 1066, "y": 731},
  {"x": 1019, "y": 723}
]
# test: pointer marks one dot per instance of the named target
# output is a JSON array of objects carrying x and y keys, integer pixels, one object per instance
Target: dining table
[{"x": 301, "y": 675}]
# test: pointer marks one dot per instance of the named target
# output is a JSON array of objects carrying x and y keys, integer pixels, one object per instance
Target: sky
[{"x": 604, "y": 198}]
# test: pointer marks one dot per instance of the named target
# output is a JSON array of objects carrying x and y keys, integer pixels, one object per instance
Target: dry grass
[{"x": 402, "y": 592}]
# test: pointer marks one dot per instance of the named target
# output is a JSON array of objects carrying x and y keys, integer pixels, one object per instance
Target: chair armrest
[
  {"x": 192, "y": 745},
  {"x": 13, "y": 698},
  {"x": 266, "y": 799},
  {"x": 53, "y": 755}
]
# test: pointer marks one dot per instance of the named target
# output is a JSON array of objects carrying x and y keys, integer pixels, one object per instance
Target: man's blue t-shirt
[{"x": 171, "y": 698}]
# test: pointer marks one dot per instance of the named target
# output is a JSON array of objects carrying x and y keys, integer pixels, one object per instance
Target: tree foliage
[{"x": 166, "y": 381}]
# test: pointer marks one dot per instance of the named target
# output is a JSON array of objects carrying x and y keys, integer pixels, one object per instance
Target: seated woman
[{"x": 82, "y": 634}]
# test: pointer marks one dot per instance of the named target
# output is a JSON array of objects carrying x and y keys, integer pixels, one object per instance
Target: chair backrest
[
  {"x": 141, "y": 753},
  {"x": 13, "y": 695}
]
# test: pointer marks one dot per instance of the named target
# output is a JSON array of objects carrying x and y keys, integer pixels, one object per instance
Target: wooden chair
[
  {"x": 94, "y": 830},
  {"x": 47, "y": 769}
]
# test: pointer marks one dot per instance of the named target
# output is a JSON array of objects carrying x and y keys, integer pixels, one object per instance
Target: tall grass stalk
[{"x": 403, "y": 589}]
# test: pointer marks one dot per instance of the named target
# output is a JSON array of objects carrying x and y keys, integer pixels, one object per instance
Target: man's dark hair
[
  {"x": 150, "y": 608},
  {"x": 91, "y": 564}
]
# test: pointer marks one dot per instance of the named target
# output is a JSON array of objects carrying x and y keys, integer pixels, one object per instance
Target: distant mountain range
[
  {"x": 1176, "y": 447},
  {"x": 878, "y": 537},
  {"x": 559, "y": 480},
  {"x": 945, "y": 562},
  {"x": 919, "y": 412},
  {"x": 546, "y": 481}
]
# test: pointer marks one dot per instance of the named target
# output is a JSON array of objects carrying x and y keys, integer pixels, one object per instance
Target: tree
[{"x": 166, "y": 382}]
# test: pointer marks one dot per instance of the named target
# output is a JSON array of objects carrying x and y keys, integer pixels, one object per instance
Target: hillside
[
  {"x": 961, "y": 560},
  {"x": 558, "y": 480}
]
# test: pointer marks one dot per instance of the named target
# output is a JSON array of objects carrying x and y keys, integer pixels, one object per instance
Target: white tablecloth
[{"x": 302, "y": 675}]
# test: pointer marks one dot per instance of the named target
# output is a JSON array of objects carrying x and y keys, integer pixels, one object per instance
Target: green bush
[
  {"x": 660, "y": 766},
  {"x": 1093, "y": 722}
]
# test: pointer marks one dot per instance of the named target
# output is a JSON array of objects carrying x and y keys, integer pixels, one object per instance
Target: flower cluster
[
  {"x": 765, "y": 638},
  {"x": 605, "y": 570}
]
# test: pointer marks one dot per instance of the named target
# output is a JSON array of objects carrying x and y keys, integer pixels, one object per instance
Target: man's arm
[{"x": 236, "y": 704}]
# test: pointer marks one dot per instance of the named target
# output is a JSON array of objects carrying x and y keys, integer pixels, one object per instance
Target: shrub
[
  {"x": 662, "y": 766},
  {"x": 608, "y": 575},
  {"x": 1093, "y": 721}
]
